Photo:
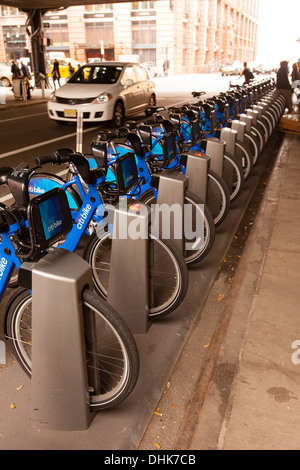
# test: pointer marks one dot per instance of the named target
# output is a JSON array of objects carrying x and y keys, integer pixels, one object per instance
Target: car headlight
[
  {"x": 103, "y": 98},
  {"x": 53, "y": 98}
]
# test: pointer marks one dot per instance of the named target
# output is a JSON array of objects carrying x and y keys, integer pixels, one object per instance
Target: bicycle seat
[
  {"x": 4, "y": 172},
  {"x": 136, "y": 144},
  {"x": 154, "y": 109},
  {"x": 131, "y": 125},
  {"x": 196, "y": 94}
]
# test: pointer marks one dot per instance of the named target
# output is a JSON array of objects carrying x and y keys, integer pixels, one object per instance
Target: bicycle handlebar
[{"x": 44, "y": 160}]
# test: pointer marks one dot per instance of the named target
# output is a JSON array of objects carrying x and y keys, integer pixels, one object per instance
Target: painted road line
[{"x": 41, "y": 144}]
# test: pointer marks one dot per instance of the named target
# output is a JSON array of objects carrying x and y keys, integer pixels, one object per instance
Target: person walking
[
  {"x": 283, "y": 84},
  {"x": 16, "y": 73},
  {"x": 56, "y": 73},
  {"x": 295, "y": 73},
  {"x": 71, "y": 69},
  {"x": 26, "y": 76},
  {"x": 247, "y": 74}
]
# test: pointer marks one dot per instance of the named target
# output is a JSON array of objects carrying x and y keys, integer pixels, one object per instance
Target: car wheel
[
  {"x": 119, "y": 114},
  {"x": 5, "y": 81},
  {"x": 152, "y": 102}
]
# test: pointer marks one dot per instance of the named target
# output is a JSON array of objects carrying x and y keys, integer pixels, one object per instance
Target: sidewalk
[
  {"x": 8, "y": 101},
  {"x": 264, "y": 404},
  {"x": 252, "y": 401}
]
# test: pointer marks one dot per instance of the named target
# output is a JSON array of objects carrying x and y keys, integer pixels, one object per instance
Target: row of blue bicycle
[{"x": 227, "y": 133}]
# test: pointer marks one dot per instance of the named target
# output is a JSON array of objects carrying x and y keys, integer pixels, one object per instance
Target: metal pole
[
  {"x": 79, "y": 132},
  {"x": 24, "y": 91}
]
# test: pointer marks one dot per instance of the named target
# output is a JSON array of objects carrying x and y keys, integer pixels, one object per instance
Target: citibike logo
[
  {"x": 173, "y": 222},
  {"x": 83, "y": 215},
  {"x": 35, "y": 190},
  {"x": 54, "y": 225},
  {"x": 3, "y": 264}
]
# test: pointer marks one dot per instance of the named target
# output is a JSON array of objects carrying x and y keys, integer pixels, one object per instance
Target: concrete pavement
[
  {"x": 247, "y": 389},
  {"x": 247, "y": 392}
]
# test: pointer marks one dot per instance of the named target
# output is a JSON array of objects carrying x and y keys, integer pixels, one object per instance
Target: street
[{"x": 27, "y": 132}]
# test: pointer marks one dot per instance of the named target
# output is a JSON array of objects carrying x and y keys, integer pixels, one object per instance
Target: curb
[{"x": 221, "y": 367}]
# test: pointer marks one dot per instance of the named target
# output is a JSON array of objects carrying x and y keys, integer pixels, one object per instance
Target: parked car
[
  {"x": 5, "y": 73},
  {"x": 231, "y": 68},
  {"x": 103, "y": 91}
]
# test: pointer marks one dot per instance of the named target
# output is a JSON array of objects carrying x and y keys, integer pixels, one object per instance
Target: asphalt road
[{"x": 28, "y": 133}]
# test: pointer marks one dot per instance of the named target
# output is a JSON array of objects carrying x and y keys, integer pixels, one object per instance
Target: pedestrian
[
  {"x": 26, "y": 76},
  {"x": 247, "y": 74},
  {"x": 55, "y": 73},
  {"x": 295, "y": 73},
  {"x": 16, "y": 73},
  {"x": 283, "y": 84},
  {"x": 70, "y": 69}
]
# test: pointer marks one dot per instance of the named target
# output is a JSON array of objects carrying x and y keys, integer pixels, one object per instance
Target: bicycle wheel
[
  {"x": 244, "y": 156},
  {"x": 111, "y": 352},
  {"x": 233, "y": 176},
  {"x": 167, "y": 272},
  {"x": 197, "y": 249},
  {"x": 218, "y": 198},
  {"x": 253, "y": 144}
]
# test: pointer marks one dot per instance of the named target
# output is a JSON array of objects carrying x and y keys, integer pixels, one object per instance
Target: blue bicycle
[
  {"x": 150, "y": 165},
  {"x": 92, "y": 188},
  {"x": 28, "y": 230},
  {"x": 151, "y": 133}
]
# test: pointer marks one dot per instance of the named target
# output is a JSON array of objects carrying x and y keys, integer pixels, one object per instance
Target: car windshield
[{"x": 104, "y": 74}]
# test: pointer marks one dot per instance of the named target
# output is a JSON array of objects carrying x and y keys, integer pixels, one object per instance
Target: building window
[
  {"x": 9, "y": 11},
  {"x": 99, "y": 31},
  {"x": 14, "y": 37},
  {"x": 143, "y": 32},
  {"x": 143, "y": 5},
  {"x": 97, "y": 8},
  {"x": 58, "y": 33}
]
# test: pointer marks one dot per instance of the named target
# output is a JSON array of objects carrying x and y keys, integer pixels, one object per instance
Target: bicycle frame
[{"x": 8, "y": 259}]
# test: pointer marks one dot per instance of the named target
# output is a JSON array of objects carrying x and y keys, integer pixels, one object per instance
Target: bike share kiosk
[
  {"x": 59, "y": 386},
  {"x": 128, "y": 288},
  {"x": 229, "y": 136}
]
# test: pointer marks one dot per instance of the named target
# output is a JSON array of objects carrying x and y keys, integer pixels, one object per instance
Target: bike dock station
[
  {"x": 171, "y": 189},
  {"x": 160, "y": 343},
  {"x": 59, "y": 387},
  {"x": 128, "y": 290}
]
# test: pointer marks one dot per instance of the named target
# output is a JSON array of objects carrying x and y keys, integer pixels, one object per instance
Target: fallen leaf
[
  {"x": 173, "y": 404},
  {"x": 220, "y": 297},
  {"x": 20, "y": 388},
  {"x": 206, "y": 346},
  {"x": 12, "y": 406},
  {"x": 157, "y": 445}
]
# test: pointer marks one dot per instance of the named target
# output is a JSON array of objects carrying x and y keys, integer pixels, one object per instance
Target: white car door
[
  {"x": 143, "y": 86},
  {"x": 130, "y": 93}
]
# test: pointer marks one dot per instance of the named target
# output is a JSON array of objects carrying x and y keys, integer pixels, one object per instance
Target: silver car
[
  {"x": 103, "y": 91},
  {"x": 5, "y": 73}
]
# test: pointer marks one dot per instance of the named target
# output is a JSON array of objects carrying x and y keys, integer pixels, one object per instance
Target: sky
[{"x": 279, "y": 27}]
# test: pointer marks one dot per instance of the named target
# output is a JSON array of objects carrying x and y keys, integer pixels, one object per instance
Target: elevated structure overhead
[
  {"x": 25, "y": 5},
  {"x": 35, "y": 9}
]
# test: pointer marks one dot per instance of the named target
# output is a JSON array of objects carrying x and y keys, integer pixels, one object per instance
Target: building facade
[{"x": 181, "y": 36}]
